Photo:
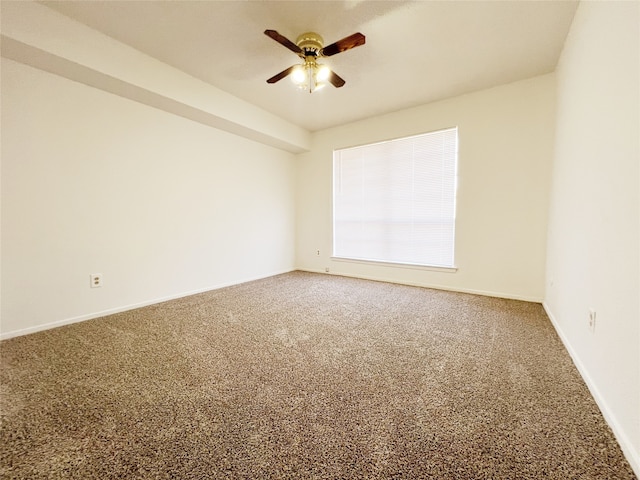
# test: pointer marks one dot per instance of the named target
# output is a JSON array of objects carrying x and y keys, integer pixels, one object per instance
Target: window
[{"x": 395, "y": 201}]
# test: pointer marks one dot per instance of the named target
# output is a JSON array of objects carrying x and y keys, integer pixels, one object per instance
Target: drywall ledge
[
  {"x": 20, "y": 52},
  {"x": 67, "y": 48}
]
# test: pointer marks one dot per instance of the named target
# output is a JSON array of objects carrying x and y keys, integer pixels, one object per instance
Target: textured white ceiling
[{"x": 415, "y": 52}]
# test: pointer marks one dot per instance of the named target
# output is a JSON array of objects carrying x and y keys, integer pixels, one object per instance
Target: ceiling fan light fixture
[
  {"x": 322, "y": 73},
  {"x": 310, "y": 76},
  {"x": 299, "y": 76}
]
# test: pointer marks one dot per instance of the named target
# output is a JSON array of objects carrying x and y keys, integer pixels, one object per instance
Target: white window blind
[{"x": 395, "y": 201}]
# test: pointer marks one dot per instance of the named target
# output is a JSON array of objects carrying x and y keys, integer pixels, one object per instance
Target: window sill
[{"x": 412, "y": 266}]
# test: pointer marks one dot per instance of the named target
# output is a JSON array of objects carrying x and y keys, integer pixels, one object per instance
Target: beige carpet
[{"x": 304, "y": 376}]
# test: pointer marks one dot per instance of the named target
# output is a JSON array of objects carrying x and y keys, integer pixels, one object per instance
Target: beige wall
[
  {"x": 505, "y": 152},
  {"x": 160, "y": 205},
  {"x": 594, "y": 240}
]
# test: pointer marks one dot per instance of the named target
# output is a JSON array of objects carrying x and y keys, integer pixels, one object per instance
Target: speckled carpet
[{"x": 304, "y": 376}]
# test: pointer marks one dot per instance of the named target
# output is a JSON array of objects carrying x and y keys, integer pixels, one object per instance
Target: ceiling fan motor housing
[{"x": 311, "y": 43}]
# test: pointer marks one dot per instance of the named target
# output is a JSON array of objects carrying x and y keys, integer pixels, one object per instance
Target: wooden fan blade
[
  {"x": 347, "y": 43},
  {"x": 281, "y": 75},
  {"x": 282, "y": 40},
  {"x": 336, "y": 80}
]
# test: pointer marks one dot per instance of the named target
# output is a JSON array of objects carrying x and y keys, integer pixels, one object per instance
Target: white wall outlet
[
  {"x": 326, "y": 269},
  {"x": 317, "y": 253},
  {"x": 96, "y": 280},
  {"x": 592, "y": 320}
]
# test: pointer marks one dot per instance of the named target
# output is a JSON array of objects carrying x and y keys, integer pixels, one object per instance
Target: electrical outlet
[
  {"x": 326, "y": 269},
  {"x": 96, "y": 280},
  {"x": 318, "y": 253},
  {"x": 592, "y": 320}
]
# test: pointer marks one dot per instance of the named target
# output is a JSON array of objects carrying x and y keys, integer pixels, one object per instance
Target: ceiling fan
[{"x": 311, "y": 75}]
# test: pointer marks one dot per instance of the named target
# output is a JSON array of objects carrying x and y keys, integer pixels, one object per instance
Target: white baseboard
[
  {"x": 484, "y": 293},
  {"x": 111, "y": 311},
  {"x": 632, "y": 456}
]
